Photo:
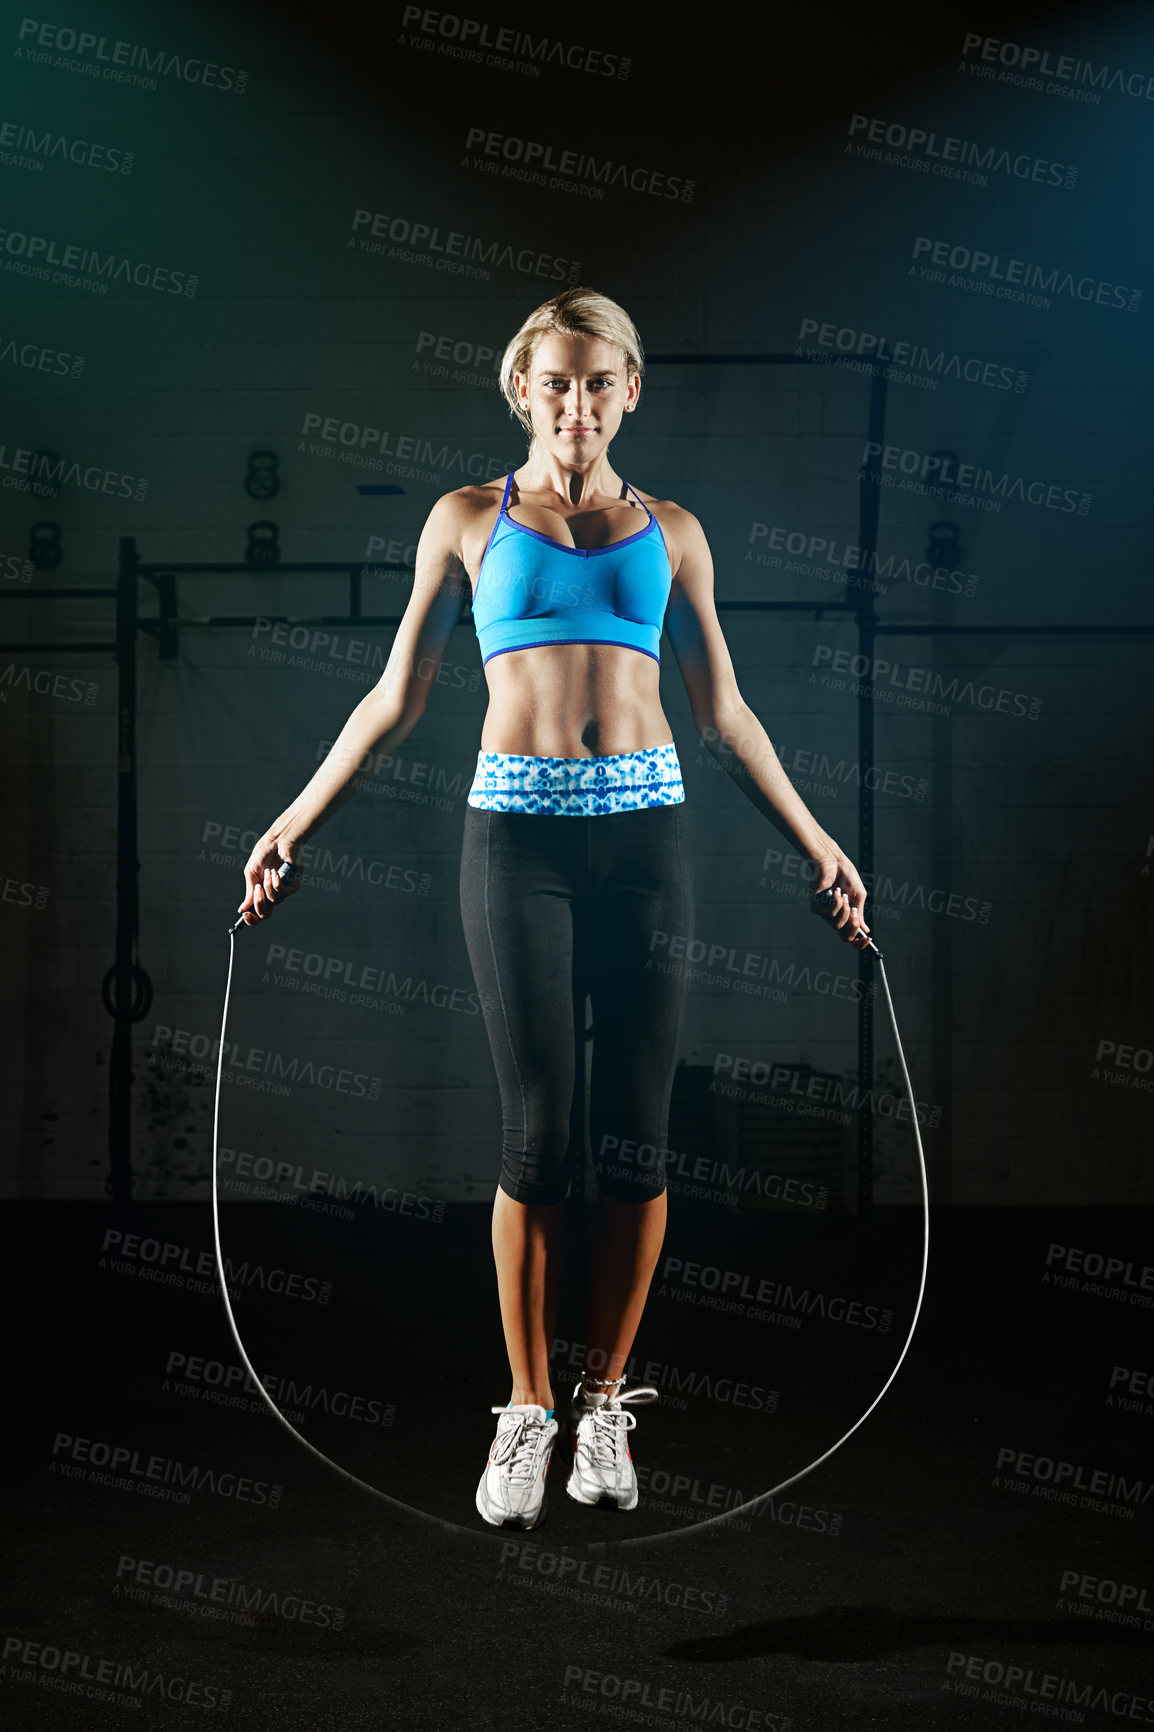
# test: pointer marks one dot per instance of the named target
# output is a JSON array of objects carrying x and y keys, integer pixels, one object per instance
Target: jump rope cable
[
  {"x": 398, "y": 1503},
  {"x": 765, "y": 1496}
]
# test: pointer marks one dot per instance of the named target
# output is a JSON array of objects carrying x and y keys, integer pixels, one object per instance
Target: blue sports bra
[{"x": 532, "y": 590}]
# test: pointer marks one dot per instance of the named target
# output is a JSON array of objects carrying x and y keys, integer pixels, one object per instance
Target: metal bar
[
  {"x": 156, "y": 568},
  {"x": 127, "y": 870},
  {"x": 227, "y": 619},
  {"x": 54, "y": 594},
  {"x": 881, "y": 627},
  {"x": 930, "y": 630},
  {"x": 785, "y": 359},
  {"x": 941, "y": 944},
  {"x": 869, "y": 505}
]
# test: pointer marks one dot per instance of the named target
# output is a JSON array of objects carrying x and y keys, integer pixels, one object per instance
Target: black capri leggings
[{"x": 552, "y": 907}]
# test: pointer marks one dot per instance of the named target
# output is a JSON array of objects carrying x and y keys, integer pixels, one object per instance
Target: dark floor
[{"x": 978, "y": 1554}]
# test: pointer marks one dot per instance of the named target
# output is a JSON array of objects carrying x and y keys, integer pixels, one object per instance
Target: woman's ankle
[
  {"x": 531, "y": 1397},
  {"x": 601, "y": 1385}
]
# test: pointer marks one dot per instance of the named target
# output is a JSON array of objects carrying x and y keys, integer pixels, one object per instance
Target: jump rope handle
[
  {"x": 286, "y": 873},
  {"x": 824, "y": 902}
]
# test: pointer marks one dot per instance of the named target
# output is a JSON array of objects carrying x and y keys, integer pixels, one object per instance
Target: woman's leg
[
  {"x": 528, "y": 1245},
  {"x": 642, "y": 892},
  {"x": 626, "y": 1243},
  {"x": 517, "y": 884}
]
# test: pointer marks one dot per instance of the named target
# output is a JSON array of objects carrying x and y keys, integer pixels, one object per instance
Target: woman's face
[{"x": 577, "y": 390}]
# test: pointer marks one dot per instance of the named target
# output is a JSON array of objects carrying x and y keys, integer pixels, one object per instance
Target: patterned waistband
[{"x": 577, "y": 787}]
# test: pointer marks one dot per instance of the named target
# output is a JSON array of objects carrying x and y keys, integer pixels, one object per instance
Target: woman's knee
[
  {"x": 537, "y": 1170},
  {"x": 534, "y": 1193}
]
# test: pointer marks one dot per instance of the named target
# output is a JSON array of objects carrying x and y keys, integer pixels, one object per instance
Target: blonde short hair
[{"x": 573, "y": 313}]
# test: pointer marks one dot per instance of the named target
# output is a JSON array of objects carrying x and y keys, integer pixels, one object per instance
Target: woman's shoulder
[
  {"x": 668, "y": 512},
  {"x": 464, "y": 506}
]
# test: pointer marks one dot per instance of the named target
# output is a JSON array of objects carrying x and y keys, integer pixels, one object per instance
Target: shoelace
[
  {"x": 517, "y": 1443},
  {"x": 611, "y": 1421}
]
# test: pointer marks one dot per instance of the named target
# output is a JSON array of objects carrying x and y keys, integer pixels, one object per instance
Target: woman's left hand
[{"x": 836, "y": 871}]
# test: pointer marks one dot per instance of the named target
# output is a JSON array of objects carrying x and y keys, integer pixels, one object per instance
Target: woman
[{"x": 576, "y": 851}]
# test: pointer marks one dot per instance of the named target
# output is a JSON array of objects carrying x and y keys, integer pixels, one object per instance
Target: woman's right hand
[{"x": 264, "y": 889}]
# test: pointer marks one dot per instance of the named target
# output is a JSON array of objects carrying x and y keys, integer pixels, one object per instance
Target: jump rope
[{"x": 825, "y": 900}]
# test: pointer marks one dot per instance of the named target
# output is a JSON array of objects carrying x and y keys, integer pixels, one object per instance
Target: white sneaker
[
  {"x": 512, "y": 1488},
  {"x": 603, "y": 1471}
]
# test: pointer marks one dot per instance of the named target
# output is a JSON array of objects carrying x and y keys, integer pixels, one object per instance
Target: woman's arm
[
  {"x": 384, "y": 717},
  {"x": 732, "y": 731}
]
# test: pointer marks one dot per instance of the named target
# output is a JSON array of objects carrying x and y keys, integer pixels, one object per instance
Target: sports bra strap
[
  {"x": 640, "y": 502},
  {"x": 509, "y": 485}
]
